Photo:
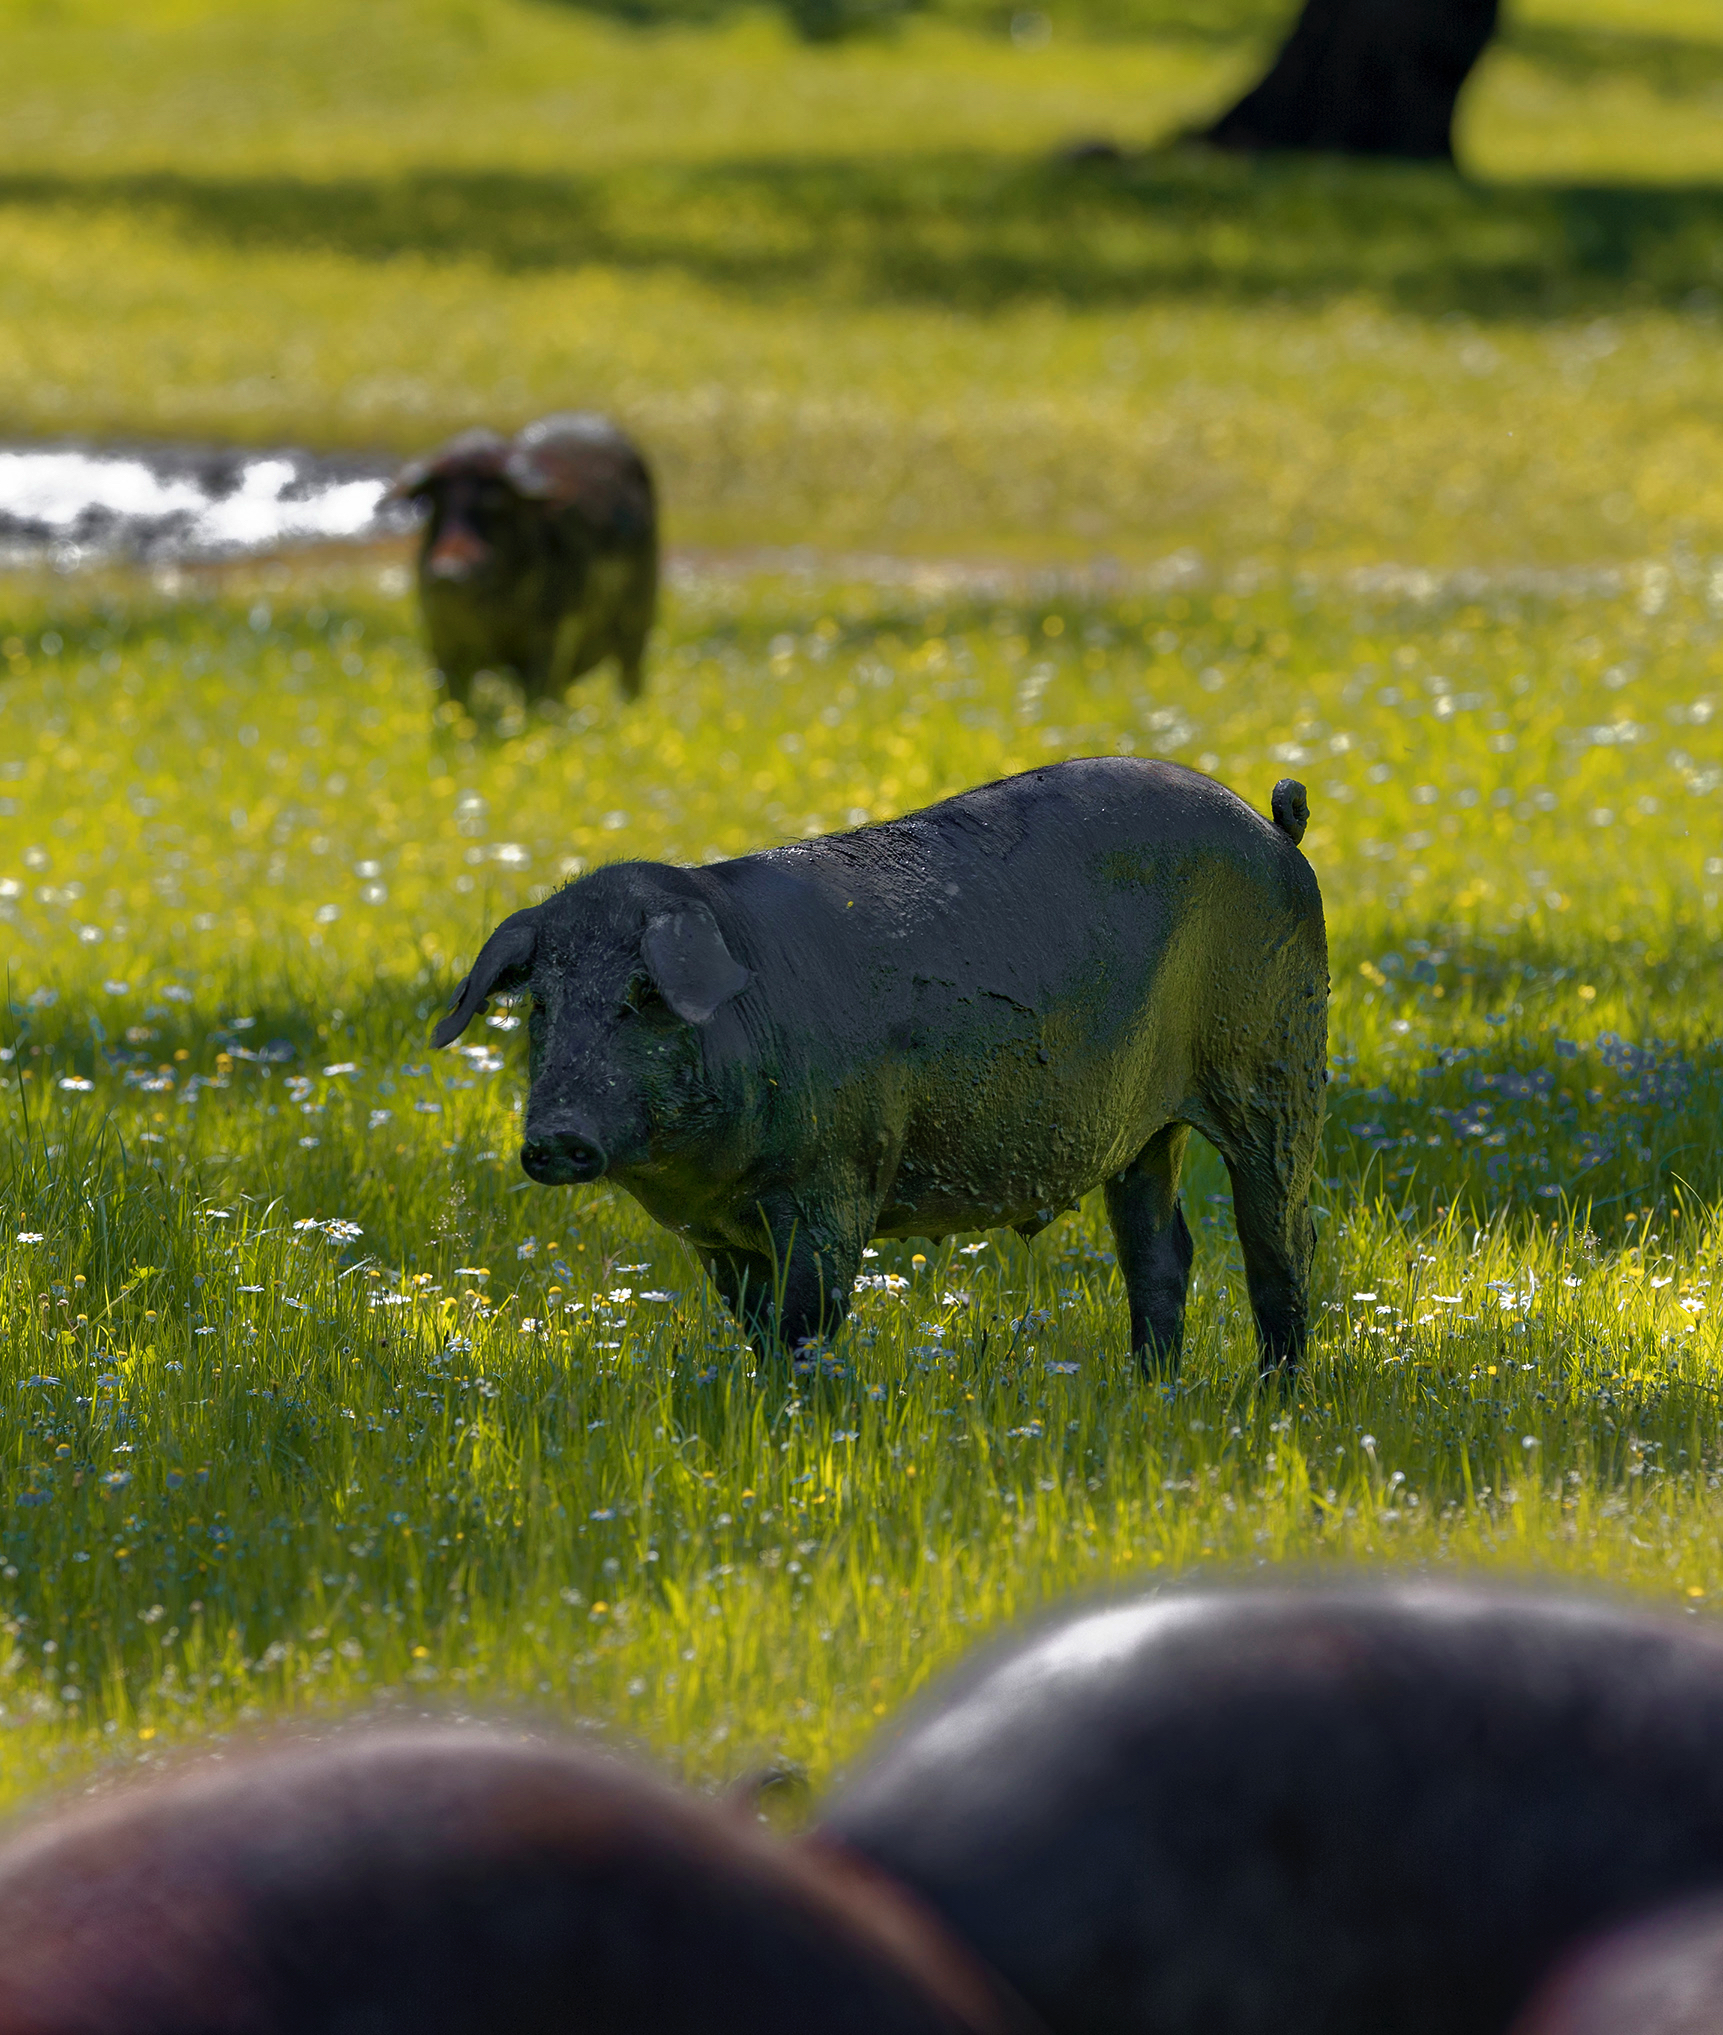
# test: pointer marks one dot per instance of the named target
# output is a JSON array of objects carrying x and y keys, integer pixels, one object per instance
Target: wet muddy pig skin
[
  {"x": 446, "y": 1882},
  {"x": 1367, "y": 1810},
  {"x": 1662, "y": 1975},
  {"x": 539, "y": 555},
  {"x": 962, "y": 1019}
]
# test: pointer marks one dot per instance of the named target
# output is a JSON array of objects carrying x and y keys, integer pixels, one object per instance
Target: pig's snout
[
  {"x": 562, "y": 1158},
  {"x": 457, "y": 554}
]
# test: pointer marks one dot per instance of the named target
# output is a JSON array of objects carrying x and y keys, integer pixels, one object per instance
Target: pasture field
[
  {"x": 313, "y": 1401},
  {"x": 851, "y": 296},
  {"x": 1404, "y": 484}
]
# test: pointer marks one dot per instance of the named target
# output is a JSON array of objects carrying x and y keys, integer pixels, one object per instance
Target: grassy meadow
[
  {"x": 313, "y": 1399},
  {"x": 1403, "y": 484},
  {"x": 853, "y": 296}
]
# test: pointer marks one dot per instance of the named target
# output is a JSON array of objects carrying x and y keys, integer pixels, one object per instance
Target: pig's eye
[{"x": 642, "y": 1000}]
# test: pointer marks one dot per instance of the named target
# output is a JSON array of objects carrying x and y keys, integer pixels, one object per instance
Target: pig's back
[
  {"x": 1124, "y": 827},
  {"x": 1028, "y": 981},
  {"x": 1088, "y": 879}
]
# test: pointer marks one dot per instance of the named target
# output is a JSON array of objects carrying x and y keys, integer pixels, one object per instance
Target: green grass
[
  {"x": 1450, "y": 448},
  {"x": 849, "y": 295},
  {"x": 254, "y": 1465}
]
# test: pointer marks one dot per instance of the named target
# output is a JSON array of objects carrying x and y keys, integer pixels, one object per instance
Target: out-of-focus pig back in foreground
[
  {"x": 1360, "y": 1809},
  {"x": 434, "y": 1881}
]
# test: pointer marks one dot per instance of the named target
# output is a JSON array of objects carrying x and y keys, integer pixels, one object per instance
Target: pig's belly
[{"x": 971, "y": 1169}]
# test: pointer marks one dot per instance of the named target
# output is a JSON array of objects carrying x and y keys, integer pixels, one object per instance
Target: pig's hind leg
[
  {"x": 634, "y": 623},
  {"x": 628, "y": 641},
  {"x": 1271, "y": 1163},
  {"x": 1155, "y": 1248},
  {"x": 630, "y": 664}
]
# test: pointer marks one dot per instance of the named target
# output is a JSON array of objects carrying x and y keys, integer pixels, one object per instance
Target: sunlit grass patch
[{"x": 316, "y": 1401}]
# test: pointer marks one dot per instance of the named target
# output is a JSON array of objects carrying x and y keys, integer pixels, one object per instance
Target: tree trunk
[{"x": 1365, "y": 77}]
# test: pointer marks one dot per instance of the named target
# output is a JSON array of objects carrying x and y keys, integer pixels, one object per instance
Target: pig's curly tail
[{"x": 1291, "y": 809}]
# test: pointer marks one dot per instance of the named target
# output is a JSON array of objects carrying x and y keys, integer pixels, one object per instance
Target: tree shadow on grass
[
  {"x": 1676, "y": 67},
  {"x": 1546, "y": 1108},
  {"x": 982, "y": 231}
]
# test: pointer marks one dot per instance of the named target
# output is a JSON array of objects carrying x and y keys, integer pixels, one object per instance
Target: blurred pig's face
[{"x": 480, "y": 530}]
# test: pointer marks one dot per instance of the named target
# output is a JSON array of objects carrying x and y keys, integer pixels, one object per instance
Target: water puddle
[{"x": 70, "y": 505}]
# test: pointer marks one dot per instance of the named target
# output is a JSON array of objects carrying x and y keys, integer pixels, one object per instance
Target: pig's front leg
[
  {"x": 798, "y": 1291},
  {"x": 748, "y": 1283}
]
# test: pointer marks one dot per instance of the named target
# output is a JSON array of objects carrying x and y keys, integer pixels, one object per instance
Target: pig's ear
[
  {"x": 690, "y": 966},
  {"x": 474, "y": 452},
  {"x": 562, "y": 458},
  {"x": 416, "y": 478},
  {"x": 502, "y": 964}
]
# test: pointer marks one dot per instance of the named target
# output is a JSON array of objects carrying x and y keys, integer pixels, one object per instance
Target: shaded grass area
[
  {"x": 316, "y": 1402},
  {"x": 978, "y": 233},
  {"x": 1344, "y": 431},
  {"x": 855, "y": 295},
  {"x": 1675, "y": 66}
]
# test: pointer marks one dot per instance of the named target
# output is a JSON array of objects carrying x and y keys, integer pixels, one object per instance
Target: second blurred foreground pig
[
  {"x": 1661, "y": 1976},
  {"x": 540, "y": 555},
  {"x": 1351, "y": 1811},
  {"x": 444, "y": 1882}
]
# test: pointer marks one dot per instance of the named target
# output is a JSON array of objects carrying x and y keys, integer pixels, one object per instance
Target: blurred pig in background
[{"x": 539, "y": 556}]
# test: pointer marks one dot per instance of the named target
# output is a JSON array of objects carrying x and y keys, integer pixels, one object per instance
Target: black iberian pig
[
  {"x": 539, "y": 556},
  {"x": 1359, "y": 1810},
  {"x": 443, "y": 1882},
  {"x": 960, "y": 1019}
]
